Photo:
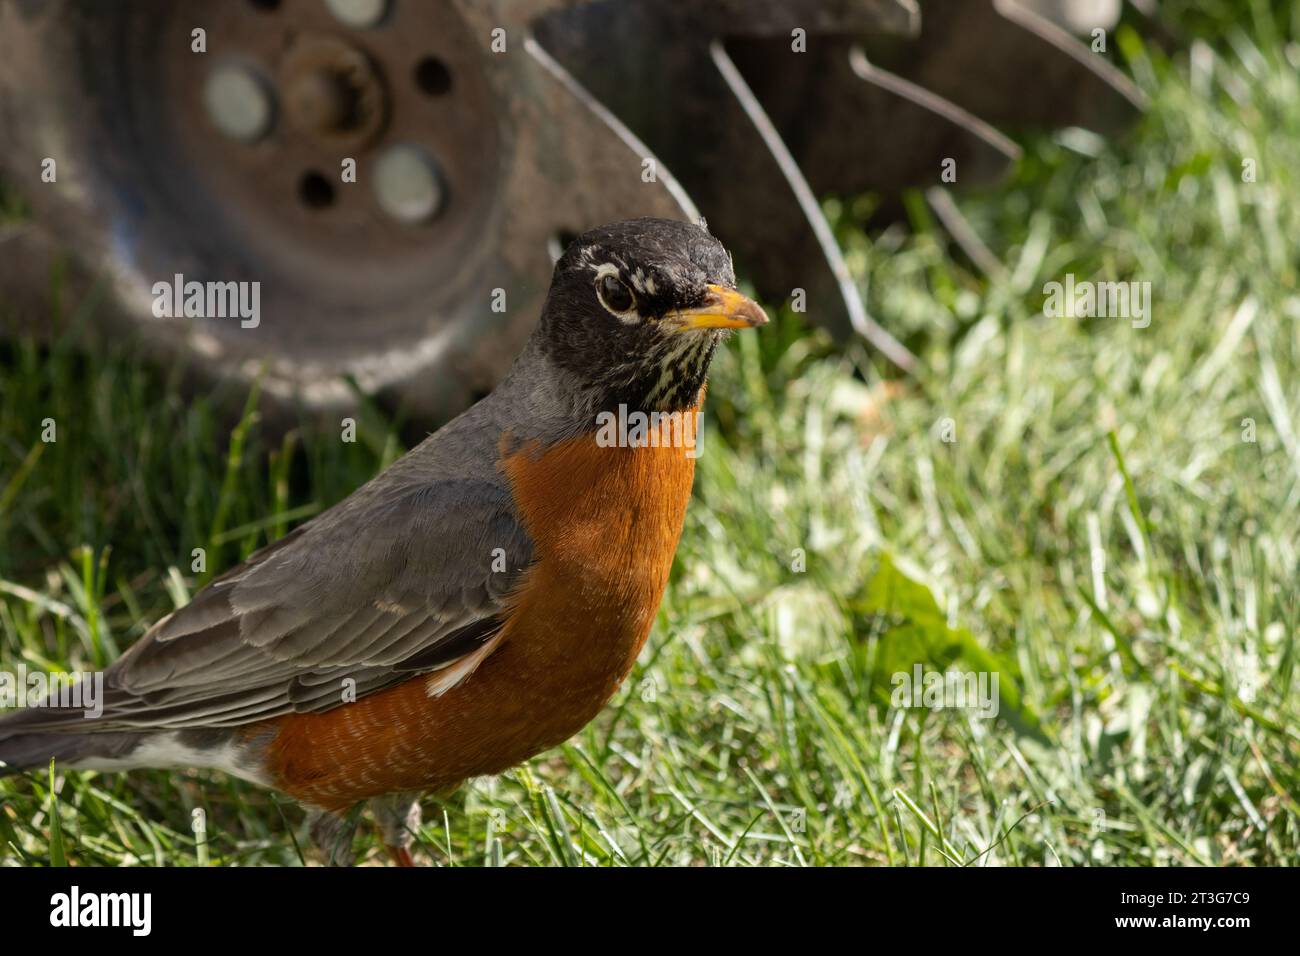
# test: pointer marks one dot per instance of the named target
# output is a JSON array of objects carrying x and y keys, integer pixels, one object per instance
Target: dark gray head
[{"x": 636, "y": 309}]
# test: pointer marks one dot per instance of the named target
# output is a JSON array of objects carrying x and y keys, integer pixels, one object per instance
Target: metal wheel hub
[{"x": 332, "y": 92}]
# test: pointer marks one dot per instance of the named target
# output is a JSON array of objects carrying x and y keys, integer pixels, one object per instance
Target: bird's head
[{"x": 637, "y": 308}]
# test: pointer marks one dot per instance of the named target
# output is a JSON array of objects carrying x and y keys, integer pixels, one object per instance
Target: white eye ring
[{"x": 609, "y": 286}]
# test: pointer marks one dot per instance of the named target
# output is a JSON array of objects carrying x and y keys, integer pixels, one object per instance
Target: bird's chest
[{"x": 605, "y": 523}]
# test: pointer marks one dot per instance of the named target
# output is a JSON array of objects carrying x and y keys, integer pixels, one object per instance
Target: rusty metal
[
  {"x": 999, "y": 60},
  {"x": 482, "y": 134},
  {"x": 332, "y": 92}
]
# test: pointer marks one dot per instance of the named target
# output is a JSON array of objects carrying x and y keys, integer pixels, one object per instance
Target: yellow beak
[{"x": 724, "y": 309}]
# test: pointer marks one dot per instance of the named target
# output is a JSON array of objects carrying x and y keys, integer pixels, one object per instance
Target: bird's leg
[
  {"x": 401, "y": 856},
  {"x": 398, "y": 816},
  {"x": 332, "y": 833}
]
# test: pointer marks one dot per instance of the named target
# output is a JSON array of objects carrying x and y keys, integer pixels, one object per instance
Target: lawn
[{"x": 1104, "y": 515}]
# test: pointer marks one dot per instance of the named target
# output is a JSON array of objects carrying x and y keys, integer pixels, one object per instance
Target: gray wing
[{"x": 390, "y": 583}]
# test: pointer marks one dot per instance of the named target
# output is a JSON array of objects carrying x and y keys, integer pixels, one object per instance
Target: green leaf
[{"x": 919, "y": 634}]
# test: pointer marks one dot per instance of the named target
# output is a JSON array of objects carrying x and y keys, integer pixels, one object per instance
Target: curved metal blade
[
  {"x": 1011, "y": 67},
  {"x": 789, "y": 267},
  {"x": 854, "y": 127}
]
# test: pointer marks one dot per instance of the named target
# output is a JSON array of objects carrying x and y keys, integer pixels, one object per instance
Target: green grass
[{"x": 1099, "y": 534}]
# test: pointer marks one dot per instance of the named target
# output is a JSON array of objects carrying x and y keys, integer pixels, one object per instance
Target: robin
[{"x": 473, "y": 605}]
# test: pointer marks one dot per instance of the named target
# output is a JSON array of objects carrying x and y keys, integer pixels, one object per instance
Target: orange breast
[{"x": 605, "y": 524}]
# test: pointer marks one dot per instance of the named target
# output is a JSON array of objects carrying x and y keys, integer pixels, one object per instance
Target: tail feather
[{"x": 29, "y": 740}]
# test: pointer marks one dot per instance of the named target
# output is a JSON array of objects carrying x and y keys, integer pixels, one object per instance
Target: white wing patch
[{"x": 451, "y": 676}]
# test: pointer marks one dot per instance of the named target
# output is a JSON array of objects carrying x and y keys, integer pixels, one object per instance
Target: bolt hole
[
  {"x": 266, "y": 5},
  {"x": 315, "y": 191},
  {"x": 432, "y": 76}
]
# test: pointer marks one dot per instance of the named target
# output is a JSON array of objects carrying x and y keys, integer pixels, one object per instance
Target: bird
[{"x": 474, "y": 604}]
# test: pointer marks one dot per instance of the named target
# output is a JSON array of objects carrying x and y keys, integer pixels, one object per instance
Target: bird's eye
[{"x": 614, "y": 295}]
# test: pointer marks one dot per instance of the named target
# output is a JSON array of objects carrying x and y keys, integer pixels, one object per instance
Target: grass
[{"x": 1112, "y": 530}]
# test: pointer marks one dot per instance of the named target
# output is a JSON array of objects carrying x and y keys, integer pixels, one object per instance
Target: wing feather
[{"x": 391, "y": 583}]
